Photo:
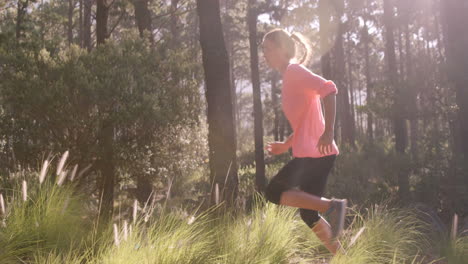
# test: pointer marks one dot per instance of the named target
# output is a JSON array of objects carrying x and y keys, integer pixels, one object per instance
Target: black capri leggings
[{"x": 309, "y": 175}]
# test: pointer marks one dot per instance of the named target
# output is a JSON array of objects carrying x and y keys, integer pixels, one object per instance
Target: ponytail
[
  {"x": 290, "y": 43},
  {"x": 302, "y": 41}
]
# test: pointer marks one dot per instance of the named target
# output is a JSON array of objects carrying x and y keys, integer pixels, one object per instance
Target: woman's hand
[
  {"x": 325, "y": 142},
  {"x": 276, "y": 148}
]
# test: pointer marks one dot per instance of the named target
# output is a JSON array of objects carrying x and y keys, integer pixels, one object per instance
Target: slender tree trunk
[
  {"x": 108, "y": 170},
  {"x": 102, "y": 15},
  {"x": 71, "y": 7},
  {"x": 143, "y": 18},
  {"x": 144, "y": 188},
  {"x": 221, "y": 130},
  {"x": 21, "y": 8},
  {"x": 345, "y": 117},
  {"x": 455, "y": 19},
  {"x": 365, "y": 38},
  {"x": 88, "y": 4},
  {"x": 175, "y": 32},
  {"x": 276, "y": 106},
  {"x": 457, "y": 61},
  {"x": 349, "y": 75},
  {"x": 80, "y": 28},
  {"x": 260, "y": 180},
  {"x": 228, "y": 28},
  {"x": 413, "y": 105},
  {"x": 324, "y": 9},
  {"x": 282, "y": 125},
  {"x": 42, "y": 27},
  {"x": 398, "y": 118},
  {"x": 325, "y": 46}
]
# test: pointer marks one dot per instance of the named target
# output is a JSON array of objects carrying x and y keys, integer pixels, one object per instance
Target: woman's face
[{"x": 272, "y": 54}]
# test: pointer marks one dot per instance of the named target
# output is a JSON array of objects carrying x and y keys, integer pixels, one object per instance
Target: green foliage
[{"x": 63, "y": 101}]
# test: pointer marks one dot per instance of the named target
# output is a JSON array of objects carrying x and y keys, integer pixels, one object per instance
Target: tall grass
[
  {"x": 39, "y": 216},
  {"x": 167, "y": 239},
  {"x": 52, "y": 217},
  {"x": 52, "y": 225},
  {"x": 264, "y": 236},
  {"x": 388, "y": 236}
]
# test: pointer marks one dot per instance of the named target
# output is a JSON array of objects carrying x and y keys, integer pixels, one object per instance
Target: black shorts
[{"x": 307, "y": 174}]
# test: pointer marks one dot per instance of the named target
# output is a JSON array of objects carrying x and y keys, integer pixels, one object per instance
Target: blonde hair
[{"x": 289, "y": 43}]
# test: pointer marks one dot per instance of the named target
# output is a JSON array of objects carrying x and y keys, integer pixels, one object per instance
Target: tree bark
[
  {"x": 344, "y": 117},
  {"x": 365, "y": 39},
  {"x": 221, "y": 130},
  {"x": 275, "y": 105},
  {"x": 80, "y": 22},
  {"x": 102, "y": 15},
  {"x": 143, "y": 18},
  {"x": 325, "y": 47},
  {"x": 398, "y": 114},
  {"x": 71, "y": 7},
  {"x": 21, "y": 9},
  {"x": 410, "y": 85},
  {"x": 88, "y": 4},
  {"x": 457, "y": 61},
  {"x": 108, "y": 170},
  {"x": 260, "y": 180},
  {"x": 282, "y": 126},
  {"x": 324, "y": 20},
  {"x": 174, "y": 22},
  {"x": 456, "y": 43}
]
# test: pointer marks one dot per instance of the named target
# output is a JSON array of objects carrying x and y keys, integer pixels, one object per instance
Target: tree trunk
[
  {"x": 71, "y": 6},
  {"x": 325, "y": 46},
  {"x": 143, "y": 18},
  {"x": 102, "y": 15},
  {"x": 174, "y": 22},
  {"x": 276, "y": 106},
  {"x": 365, "y": 39},
  {"x": 349, "y": 74},
  {"x": 282, "y": 125},
  {"x": 108, "y": 170},
  {"x": 455, "y": 18},
  {"x": 398, "y": 114},
  {"x": 80, "y": 28},
  {"x": 257, "y": 100},
  {"x": 221, "y": 130},
  {"x": 88, "y": 4},
  {"x": 144, "y": 188},
  {"x": 413, "y": 93},
  {"x": 457, "y": 61},
  {"x": 344, "y": 110},
  {"x": 21, "y": 9},
  {"x": 229, "y": 29}
]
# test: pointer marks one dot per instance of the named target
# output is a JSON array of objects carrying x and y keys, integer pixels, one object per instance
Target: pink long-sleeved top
[{"x": 301, "y": 93}]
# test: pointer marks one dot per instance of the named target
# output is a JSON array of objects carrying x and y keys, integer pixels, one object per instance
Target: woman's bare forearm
[
  {"x": 288, "y": 141},
  {"x": 329, "y": 103}
]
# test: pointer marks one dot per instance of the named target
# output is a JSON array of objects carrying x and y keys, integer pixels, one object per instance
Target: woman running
[{"x": 301, "y": 182}]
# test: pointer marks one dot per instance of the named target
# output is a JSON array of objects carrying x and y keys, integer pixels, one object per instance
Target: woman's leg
[
  {"x": 323, "y": 231},
  {"x": 310, "y": 175},
  {"x": 310, "y": 200},
  {"x": 301, "y": 199}
]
